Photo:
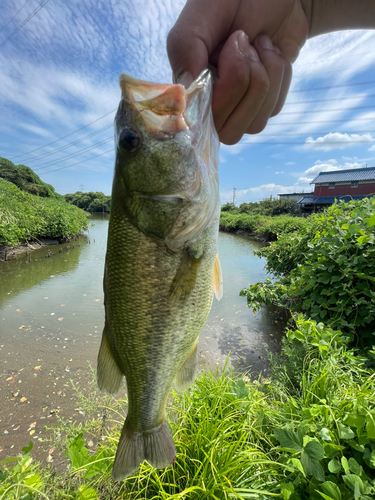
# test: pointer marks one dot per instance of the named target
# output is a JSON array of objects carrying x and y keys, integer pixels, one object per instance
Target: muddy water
[{"x": 51, "y": 317}]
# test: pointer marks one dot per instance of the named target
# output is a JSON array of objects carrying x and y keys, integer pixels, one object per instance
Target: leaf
[
  {"x": 309, "y": 457},
  {"x": 289, "y": 439},
  {"x": 331, "y": 490},
  {"x": 314, "y": 450},
  {"x": 37, "y": 367},
  {"x": 354, "y": 466},
  {"x": 354, "y": 483},
  {"x": 287, "y": 490},
  {"x": 324, "y": 434},
  {"x": 370, "y": 426},
  {"x": 22, "y": 400},
  {"x": 27, "y": 449},
  {"x": 345, "y": 432},
  {"x": 344, "y": 463},
  {"x": 297, "y": 464},
  {"x": 334, "y": 466},
  {"x": 240, "y": 389}
]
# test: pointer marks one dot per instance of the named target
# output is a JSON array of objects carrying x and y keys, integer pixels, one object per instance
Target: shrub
[
  {"x": 331, "y": 269},
  {"x": 24, "y": 217}
]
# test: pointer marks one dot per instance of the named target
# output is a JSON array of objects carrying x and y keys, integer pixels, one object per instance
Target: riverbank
[
  {"x": 8, "y": 252},
  {"x": 260, "y": 227},
  {"x": 28, "y": 221}
]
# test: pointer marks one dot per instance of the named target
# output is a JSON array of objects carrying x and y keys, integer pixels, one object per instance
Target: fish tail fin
[
  {"x": 154, "y": 445},
  {"x": 186, "y": 375},
  {"x": 109, "y": 376}
]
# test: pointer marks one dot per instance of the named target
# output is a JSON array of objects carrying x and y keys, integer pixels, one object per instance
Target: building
[
  {"x": 346, "y": 185},
  {"x": 293, "y": 196}
]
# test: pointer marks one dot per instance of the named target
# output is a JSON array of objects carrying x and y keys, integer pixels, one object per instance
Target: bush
[
  {"x": 24, "y": 217},
  {"x": 331, "y": 268},
  {"x": 268, "y": 227},
  {"x": 90, "y": 201}
]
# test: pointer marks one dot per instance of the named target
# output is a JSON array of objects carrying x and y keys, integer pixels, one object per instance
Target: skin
[{"x": 251, "y": 45}]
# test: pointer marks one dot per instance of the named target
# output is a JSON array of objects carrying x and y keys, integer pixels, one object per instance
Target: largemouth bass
[{"x": 161, "y": 267}]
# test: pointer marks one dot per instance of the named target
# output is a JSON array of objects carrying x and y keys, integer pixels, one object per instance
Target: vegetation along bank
[
  {"x": 308, "y": 432},
  {"x": 31, "y": 210}
]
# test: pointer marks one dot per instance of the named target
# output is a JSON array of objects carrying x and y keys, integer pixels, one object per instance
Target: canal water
[{"x": 51, "y": 319}]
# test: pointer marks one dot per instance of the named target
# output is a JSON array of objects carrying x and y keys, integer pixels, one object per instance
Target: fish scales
[{"x": 161, "y": 263}]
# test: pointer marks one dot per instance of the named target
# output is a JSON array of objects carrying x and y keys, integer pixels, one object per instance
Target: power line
[
  {"x": 364, "y": 96},
  {"x": 36, "y": 158},
  {"x": 34, "y": 13},
  {"x": 15, "y": 15},
  {"x": 322, "y": 121},
  {"x": 312, "y": 133},
  {"x": 46, "y": 165},
  {"x": 335, "y": 58},
  {"x": 326, "y": 110},
  {"x": 332, "y": 87},
  {"x": 78, "y": 162},
  {"x": 65, "y": 136}
]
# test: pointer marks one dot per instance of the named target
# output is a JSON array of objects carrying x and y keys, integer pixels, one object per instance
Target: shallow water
[{"x": 52, "y": 314}]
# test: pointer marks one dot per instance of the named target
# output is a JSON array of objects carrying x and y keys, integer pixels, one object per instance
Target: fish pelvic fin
[
  {"x": 154, "y": 445},
  {"x": 186, "y": 276},
  {"x": 108, "y": 374},
  {"x": 186, "y": 375},
  {"x": 218, "y": 278}
]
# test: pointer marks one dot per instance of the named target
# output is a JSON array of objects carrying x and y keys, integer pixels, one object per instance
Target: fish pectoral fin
[
  {"x": 186, "y": 276},
  {"x": 154, "y": 445},
  {"x": 186, "y": 375},
  {"x": 108, "y": 374},
  {"x": 218, "y": 278}
]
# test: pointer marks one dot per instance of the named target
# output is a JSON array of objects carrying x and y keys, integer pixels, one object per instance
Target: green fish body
[{"x": 161, "y": 266}]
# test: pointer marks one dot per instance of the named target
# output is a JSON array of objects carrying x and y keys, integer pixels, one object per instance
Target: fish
[{"x": 161, "y": 267}]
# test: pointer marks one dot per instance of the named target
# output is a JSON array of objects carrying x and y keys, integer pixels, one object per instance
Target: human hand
[{"x": 251, "y": 45}]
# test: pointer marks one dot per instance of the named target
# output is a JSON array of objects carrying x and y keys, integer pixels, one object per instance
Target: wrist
[{"x": 325, "y": 16}]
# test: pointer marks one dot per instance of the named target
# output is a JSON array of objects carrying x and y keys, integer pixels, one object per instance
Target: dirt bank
[
  {"x": 243, "y": 232},
  {"x": 10, "y": 253}
]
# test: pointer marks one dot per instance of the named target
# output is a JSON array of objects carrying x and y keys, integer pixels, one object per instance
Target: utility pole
[
  {"x": 81, "y": 188},
  {"x": 234, "y": 194}
]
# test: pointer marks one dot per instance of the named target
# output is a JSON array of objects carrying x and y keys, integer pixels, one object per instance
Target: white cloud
[
  {"x": 329, "y": 165},
  {"x": 281, "y": 172},
  {"x": 337, "y": 140}
]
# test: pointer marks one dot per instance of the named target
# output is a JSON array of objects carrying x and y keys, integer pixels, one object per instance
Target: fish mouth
[
  {"x": 161, "y": 106},
  {"x": 168, "y": 109}
]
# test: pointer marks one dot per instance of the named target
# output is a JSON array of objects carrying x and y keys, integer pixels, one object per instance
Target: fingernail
[
  {"x": 186, "y": 79},
  {"x": 246, "y": 48},
  {"x": 266, "y": 43}
]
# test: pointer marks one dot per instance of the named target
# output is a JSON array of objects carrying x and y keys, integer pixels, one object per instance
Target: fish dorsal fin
[
  {"x": 185, "y": 278},
  {"x": 218, "y": 278}
]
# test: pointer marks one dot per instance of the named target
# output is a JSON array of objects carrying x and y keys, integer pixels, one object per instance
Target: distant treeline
[
  {"x": 268, "y": 206},
  {"x": 91, "y": 201}
]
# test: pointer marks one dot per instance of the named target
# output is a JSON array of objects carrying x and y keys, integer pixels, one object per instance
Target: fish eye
[{"x": 129, "y": 140}]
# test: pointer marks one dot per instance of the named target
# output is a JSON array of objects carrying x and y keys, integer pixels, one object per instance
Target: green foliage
[
  {"x": 91, "y": 201},
  {"x": 268, "y": 206},
  {"x": 269, "y": 227},
  {"x": 241, "y": 439},
  {"x": 229, "y": 207},
  {"x": 26, "y": 179},
  {"x": 331, "y": 269},
  {"x": 24, "y": 217}
]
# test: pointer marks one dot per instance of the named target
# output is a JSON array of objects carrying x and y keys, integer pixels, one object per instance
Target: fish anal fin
[
  {"x": 186, "y": 276},
  {"x": 186, "y": 375},
  {"x": 108, "y": 374},
  {"x": 154, "y": 445},
  {"x": 218, "y": 278}
]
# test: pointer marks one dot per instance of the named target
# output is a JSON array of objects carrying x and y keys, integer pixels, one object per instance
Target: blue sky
[{"x": 60, "y": 72}]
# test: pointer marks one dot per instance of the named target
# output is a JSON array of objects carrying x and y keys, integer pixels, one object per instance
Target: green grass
[
  {"x": 24, "y": 217},
  {"x": 307, "y": 432}
]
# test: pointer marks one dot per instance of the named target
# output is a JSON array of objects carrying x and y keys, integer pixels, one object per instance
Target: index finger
[{"x": 197, "y": 32}]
